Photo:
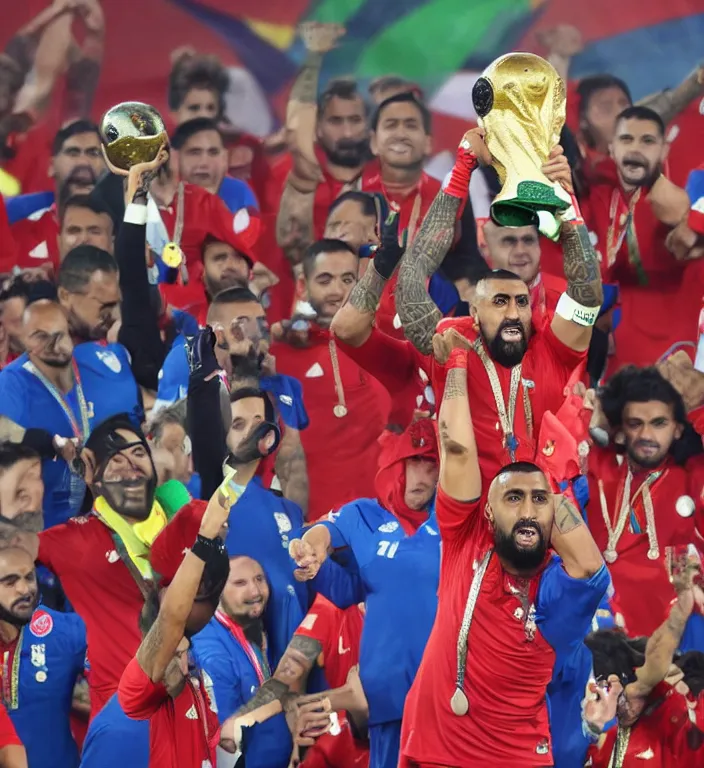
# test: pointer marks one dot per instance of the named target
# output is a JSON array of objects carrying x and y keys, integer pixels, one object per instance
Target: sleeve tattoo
[
  {"x": 366, "y": 294},
  {"x": 305, "y": 88},
  {"x": 455, "y": 388},
  {"x": 297, "y": 661},
  {"x": 294, "y": 223},
  {"x": 567, "y": 517},
  {"x": 581, "y": 266},
  {"x": 292, "y": 469},
  {"x": 417, "y": 311}
]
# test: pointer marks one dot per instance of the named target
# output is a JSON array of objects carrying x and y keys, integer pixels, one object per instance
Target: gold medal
[
  {"x": 459, "y": 703},
  {"x": 340, "y": 411},
  {"x": 172, "y": 255},
  {"x": 40, "y": 677}
]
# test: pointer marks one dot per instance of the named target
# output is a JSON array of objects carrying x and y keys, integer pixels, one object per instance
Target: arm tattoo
[
  {"x": 669, "y": 103},
  {"x": 455, "y": 384},
  {"x": 418, "y": 313},
  {"x": 567, "y": 517},
  {"x": 81, "y": 84},
  {"x": 294, "y": 223},
  {"x": 305, "y": 89},
  {"x": 581, "y": 266},
  {"x": 292, "y": 470},
  {"x": 297, "y": 661},
  {"x": 149, "y": 648},
  {"x": 366, "y": 294}
]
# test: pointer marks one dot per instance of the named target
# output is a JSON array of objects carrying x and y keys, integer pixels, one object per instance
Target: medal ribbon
[
  {"x": 81, "y": 432},
  {"x": 506, "y": 416},
  {"x": 340, "y": 410},
  {"x": 260, "y": 664},
  {"x": 11, "y": 674},
  {"x": 628, "y": 231},
  {"x": 627, "y": 503},
  {"x": 618, "y": 755}
]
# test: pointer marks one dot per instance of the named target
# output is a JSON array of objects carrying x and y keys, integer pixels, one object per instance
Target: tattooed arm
[
  {"x": 460, "y": 477},
  {"x": 669, "y": 103},
  {"x": 417, "y": 311},
  {"x": 583, "y": 275},
  {"x": 85, "y": 63},
  {"x": 292, "y": 470},
  {"x": 294, "y": 222},
  {"x": 354, "y": 321},
  {"x": 573, "y": 542}
]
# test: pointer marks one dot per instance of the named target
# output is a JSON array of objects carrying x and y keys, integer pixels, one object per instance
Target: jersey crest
[
  {"x": 42, "y": 624},
  {"x": 109, "y": 359}
]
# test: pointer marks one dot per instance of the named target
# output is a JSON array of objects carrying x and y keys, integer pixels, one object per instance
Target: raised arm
[
  {"x": 85, "y": 62},
  {"x": 573, "y": 542},
  {"x": 292, "y": 469},
  {"x": 578, "y": 307},
  {"x": 663, "y": 643},
  {"x": 354, "y": 321},
  {"x": 159, "y": 646},
  {"x": 460, "y": 477},
  {"x": 418, "y": 313},
  {"x": 669, "y": 103}
]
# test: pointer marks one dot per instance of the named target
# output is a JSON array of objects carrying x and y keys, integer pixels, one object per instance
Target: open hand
[
  {"x": 444, "y": 343},
  {"x": 320, "y": 37},
  {"x": 562, "y": 40}
]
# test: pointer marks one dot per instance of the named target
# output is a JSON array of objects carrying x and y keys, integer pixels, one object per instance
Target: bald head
[
  {"x": 46, "y": 334},
  {"x": 513, "y": 248},
  {"x": 18, "y": 586}
]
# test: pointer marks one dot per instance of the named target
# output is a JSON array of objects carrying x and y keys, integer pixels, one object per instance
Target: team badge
[
  {"x": 41, "y": 624},
  {"x": 209, "y": 691},
  {"x": 388, "y": 527},
  {"x": 109, "y": 359},
  {"x": 283, "y": 522},
  {"x": 38, "y": 653}
]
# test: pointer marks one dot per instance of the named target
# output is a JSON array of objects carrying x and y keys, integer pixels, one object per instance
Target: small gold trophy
[
  {"x": 132, "y": 133},
  {"x": 520, "y": 101}
]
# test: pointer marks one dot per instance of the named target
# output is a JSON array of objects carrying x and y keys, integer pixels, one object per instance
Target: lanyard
[
  {"x": 11, "y": 674},
  {"x": 627, "y": 231},
  {"x": 79, "y": 431},
  {"x": 260, "y": 664}
]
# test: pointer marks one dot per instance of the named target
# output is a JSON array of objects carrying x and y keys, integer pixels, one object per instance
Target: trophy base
[{"x": 522, "y": 209}]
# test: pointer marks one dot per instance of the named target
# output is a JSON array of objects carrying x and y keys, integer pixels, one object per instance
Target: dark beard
[
  {"x": 52, "y": 362},
  {"x": 347, "y": 153},
  {"x": 114, "y": 494},
  {"x": 12, "y": 618},
  {"x": 247, "y": 366},
  {"x": 25, "y": 522},
  {"x": 520, "y": 559},
  {"x": 253, "y": 630},
  {"x": 506, "y": 353},
  {"x": 644, "y": 463}
]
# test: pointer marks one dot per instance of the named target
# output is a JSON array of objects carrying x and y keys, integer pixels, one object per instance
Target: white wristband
[
  {"x": 574, "y": 312},
  {"x": 135, "y": 214}
]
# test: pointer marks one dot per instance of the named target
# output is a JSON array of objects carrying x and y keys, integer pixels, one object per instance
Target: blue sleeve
[
  {"x": 23, "y": 206},
  {"x": 222, "y": 670},
  {"x": 173, "y": 377},
  {"x": 13, "y": 397},
  {"x": 77, "y": 638},
  {"x": 695, "y": 186},
  {"x": 341, "y": 586},
  {"x": 566, "y": 606},
  {"x": 443, "y": 293},
  {"x": 236, "y": 195},
  {"x": 288, "y": 394},
  {"x": 344, "y": 526}
]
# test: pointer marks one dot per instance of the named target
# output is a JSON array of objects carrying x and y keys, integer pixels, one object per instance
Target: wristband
[
  {"x": 573, "y": 214},
  {"x": 204, "y": 549},
  {"x": 574, "y": 312},
  {"x": 458, "y": 358},
  {"x": 457, "y": 181}
]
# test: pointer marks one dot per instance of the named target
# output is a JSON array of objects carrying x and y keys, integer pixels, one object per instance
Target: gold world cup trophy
[
  {"x": 133, "y": 133},
  {"x": 520, "y": 101}
]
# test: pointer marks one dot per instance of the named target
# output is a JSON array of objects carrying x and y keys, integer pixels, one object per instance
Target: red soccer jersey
[
  {"x": 36, "y": 241},
  {"x": 8, "y": 247},
  {"x": 82, "y": 554},
  {"x": 675, "y": 495},
  {"x": 651, "y": 281},
  {"x": 338, "y": 632},
  {"x": 506, "y": 675},
  {"x": 183, "y": 732},
  {"x": 333, "y": 446}
]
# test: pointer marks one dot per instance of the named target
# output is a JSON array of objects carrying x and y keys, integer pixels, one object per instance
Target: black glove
[
  {"x": 200, "y": 352},
  {"x": 389, "y": 253}
]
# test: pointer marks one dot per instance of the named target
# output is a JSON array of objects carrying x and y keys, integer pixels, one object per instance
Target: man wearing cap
[{"x": 102, "y": 559}]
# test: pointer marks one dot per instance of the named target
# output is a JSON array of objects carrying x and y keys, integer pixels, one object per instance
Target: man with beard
[
  {"x": 14, "y": 297},
  {"x": 55, "y": 393},
  {"x": 479, "y": 695},
  {"x": 631, "y": 220},
  {"x": 77, "y": 162},
  {"x": 518, "y": 372},
  {"x": 232, "y": 651},
  {"x": 21, "y": 496},
  {"x": 84, "y": 221},
  {"x": 644, "y": 490},
  {"x": 348, "y": 409},
  {"x": 160, "y": 686},
  {"x": 43, "y": 654}
]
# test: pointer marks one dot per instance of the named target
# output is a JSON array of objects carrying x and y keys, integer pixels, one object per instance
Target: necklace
[
  {"x": 340, "y": 410},
  {"x": 82, "y": 430},
  {"x": 623, "y": 736},
  {"x": 627, "y": 503},
  {"x": 506, "y": 415}
]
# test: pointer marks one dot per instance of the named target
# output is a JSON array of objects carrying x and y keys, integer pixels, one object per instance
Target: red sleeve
[
  {"x": 557, "y": 362},
  {"x": 53, "y": 543},
  {"x": 139, "y": 696},
  {"x": 320, "y": 621},
  {"x": 456, "y": 519},
  {"x": 392, "y": 362},
  {"x": 8, "y": 247},
  {"x": 179, "y": 535},
  {"x": 240, "y": 230},
  {"x": 8, "y": 734}
]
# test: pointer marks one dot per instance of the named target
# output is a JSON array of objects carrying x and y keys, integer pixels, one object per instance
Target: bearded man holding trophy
[{"x": 506, "y": 609}]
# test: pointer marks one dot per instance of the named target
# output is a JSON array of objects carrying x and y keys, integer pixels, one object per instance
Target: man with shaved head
[
  {"x": 508, "y": 609},
  {"x": 53, "y": 394}
]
